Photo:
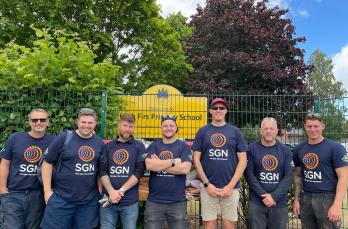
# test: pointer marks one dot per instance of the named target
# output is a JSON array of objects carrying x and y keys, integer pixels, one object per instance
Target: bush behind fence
[{"x": 245, "y": 111}]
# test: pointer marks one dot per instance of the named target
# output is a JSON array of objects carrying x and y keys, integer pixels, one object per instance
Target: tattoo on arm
[
  {"x": 106, "y": 183},
  {"x": 298, "y": 183}
]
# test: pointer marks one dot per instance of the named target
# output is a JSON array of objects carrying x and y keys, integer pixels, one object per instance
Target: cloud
[
  {"x": 186, "y": 7},
  {"x": 303, "y": 13},
  {"x": 280, "y": 3},
  {"x": 340, "y": 66}
]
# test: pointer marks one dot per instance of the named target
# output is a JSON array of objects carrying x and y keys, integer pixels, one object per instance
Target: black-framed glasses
[
  {"x": 36, "y": 120},
  {"x": 218, "y": 108},
  {"x": 313, "y": 115}
]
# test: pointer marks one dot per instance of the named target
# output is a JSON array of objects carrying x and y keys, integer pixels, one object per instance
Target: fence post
[
  {"x": 317, "y": 105},
  {"x": 103, "y": 115}
]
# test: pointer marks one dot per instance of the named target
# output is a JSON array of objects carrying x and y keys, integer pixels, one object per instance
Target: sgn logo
[
  {"x": 32, "y": 155},
  {"x": 86, "y": 154},
  {"x": 269, "y": 163},
  {"x": 120, "y": 157}
]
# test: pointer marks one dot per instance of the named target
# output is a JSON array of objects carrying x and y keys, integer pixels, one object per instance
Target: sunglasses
[
  {"x": 168, "y": 117},
  {"x": 36, "y": 120},
  {"x": 218, "y": 108},
  {"x": 313, "y": 115}
]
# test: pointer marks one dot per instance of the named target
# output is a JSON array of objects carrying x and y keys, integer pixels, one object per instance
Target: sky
[{"x": 322, "y": 22}]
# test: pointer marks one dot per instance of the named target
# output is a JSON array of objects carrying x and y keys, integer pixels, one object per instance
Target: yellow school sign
[{"x": 191, "y": 112}]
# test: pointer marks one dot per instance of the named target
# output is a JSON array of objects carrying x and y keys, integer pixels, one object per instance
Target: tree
[
  {"x": 244, "y": 47},
  {"x": 178, "y": 22},
  {"x": 57, "y": 73},
  {"x": 321, "y": 80},
  {"x": 329, "y": 91},
  {"x": 131, "y": 33},
  {"x": 162, "y": 60},
  {"x": 58, "y": 60}
]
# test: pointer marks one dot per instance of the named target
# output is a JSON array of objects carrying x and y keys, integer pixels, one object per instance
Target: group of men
[{"x": 73, "y": 161}]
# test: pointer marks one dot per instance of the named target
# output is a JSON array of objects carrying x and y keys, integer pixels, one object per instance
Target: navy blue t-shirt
[
  {"x": 76, "y": 181},
  {"x": 119, "y": 160},
  {"x": 24, "y": 152},
  {"x": 219, "y": 147},
  {"x": 268, "y": 165},
  {"x": 165, "y": 187},
  {"x": 318, "y": 163}
]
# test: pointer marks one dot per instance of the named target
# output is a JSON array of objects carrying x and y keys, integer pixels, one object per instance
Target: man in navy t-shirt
[
  {"x": 169, "y": 160},
  {"x": 321, "y": 177},
  {"x": 121, "y": 167},
  {"x": 72, "y": 202},
  {"x": 269, "y": 174},
  {"x": 220, "y": 160},
  {"x": 21, "y": 193}
]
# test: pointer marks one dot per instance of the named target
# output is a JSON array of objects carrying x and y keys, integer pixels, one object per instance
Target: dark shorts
[
  {"x": 314, "y": 210},
  {"x": 61, "y": 214}
]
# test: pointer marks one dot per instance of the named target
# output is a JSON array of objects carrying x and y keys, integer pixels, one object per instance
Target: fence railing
[{"x": 245, "y": 111}]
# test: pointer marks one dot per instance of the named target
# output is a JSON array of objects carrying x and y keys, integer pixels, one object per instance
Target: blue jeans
[
  {"x": 128, "y": 215},
  {"x": 156, "y": 214},
  {"x": 61, "y": 214},
  {"x": 262, "y": 217},
  {"x": 22, "y": 209}
]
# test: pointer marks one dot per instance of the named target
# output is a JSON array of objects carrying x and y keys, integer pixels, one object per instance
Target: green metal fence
[{"x": 245, "y": 111}]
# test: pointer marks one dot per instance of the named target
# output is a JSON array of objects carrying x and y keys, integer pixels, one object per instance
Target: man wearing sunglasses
[
  {"x": 321, "y": 177},
  {"x": 72, "y": 202},
  {"x": 169, "y": 160},
  {"x": 220, "y": 159},
  {"x": 22, "y": 198}
]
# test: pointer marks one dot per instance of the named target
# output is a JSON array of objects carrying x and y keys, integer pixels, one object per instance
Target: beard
[{"x": 125, "y": 136}]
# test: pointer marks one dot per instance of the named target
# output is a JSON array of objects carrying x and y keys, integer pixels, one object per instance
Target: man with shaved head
[{"x": 269, "y": 174}]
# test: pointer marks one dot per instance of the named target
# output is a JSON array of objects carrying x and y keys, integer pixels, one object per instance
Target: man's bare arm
[
  {"x": 298, "y": 183},
  {"x": 198, "y": 166},
  {"x": 180, "y": 168},
  {"x": 242, "y": 163},
  {"x": 334, "y": 213},
  {"x": 47, "y": 170},
  {"x": 297, "y": 191},
  {"x": 4, "y": 171}
]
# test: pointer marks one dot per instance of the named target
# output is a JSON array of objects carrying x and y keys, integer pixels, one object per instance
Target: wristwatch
[
  {"x": 173, "y": 162},
  {"x": 206, "y": 184}
]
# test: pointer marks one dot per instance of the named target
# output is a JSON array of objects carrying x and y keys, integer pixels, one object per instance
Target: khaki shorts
[{"x": 211, "y": 206}]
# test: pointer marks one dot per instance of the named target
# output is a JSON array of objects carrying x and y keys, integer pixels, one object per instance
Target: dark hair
[
  {"x": 127, "y": 118},
  {"x": 168, "y": 117},
  {"x": 87, "y": 112}
]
